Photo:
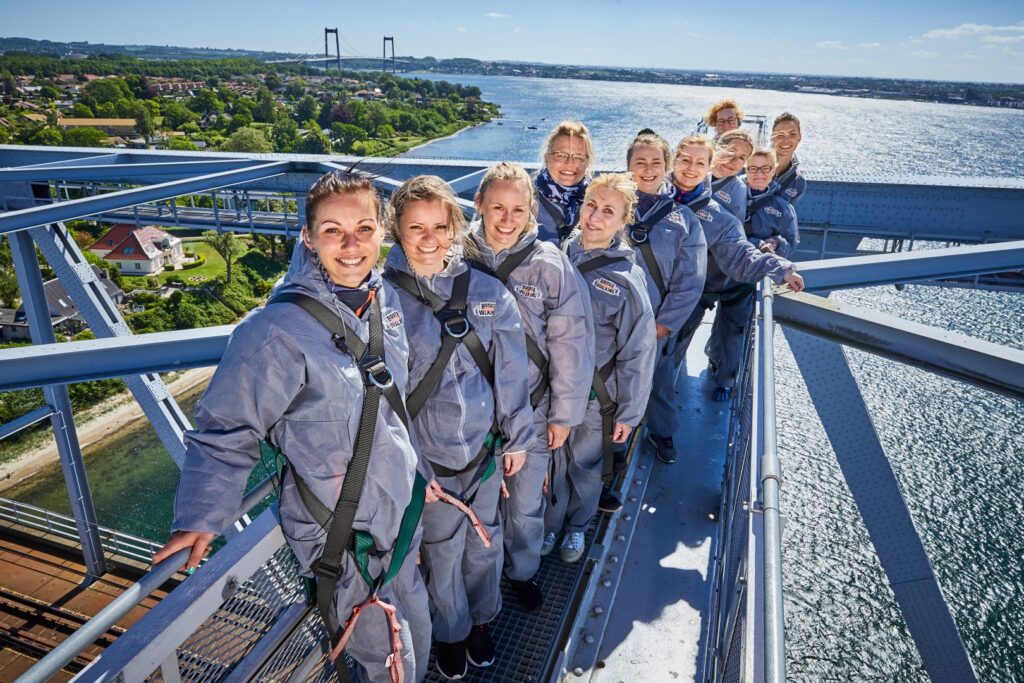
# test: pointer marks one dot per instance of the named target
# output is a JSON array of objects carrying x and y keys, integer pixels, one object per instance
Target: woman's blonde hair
[
  {"x": 570, "y": 129},
  {"x": 696, "y": 140},
  {"x": 711, "y": 118},
  {"x": 624, "y": 184},
  {"x": 510, "y": 172},
  {"x": 724, "y": 144},
  {"x": 427, "y": 188},
  {"x": 764, "y": 152},
  {"x": 649, "y": 137}
]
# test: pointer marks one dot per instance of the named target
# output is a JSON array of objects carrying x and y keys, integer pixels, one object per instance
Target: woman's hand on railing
[
  {"x": 793, "y": 279},
  {"x": 198, "y": 541}
]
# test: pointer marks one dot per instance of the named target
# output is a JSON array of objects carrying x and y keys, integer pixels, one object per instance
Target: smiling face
[
  {"x": 691, "y": 166},
  {"x": 425, "y": 235},
  {"x": 648, "y": 165},
  {"x": 726, "y": 120},
  {"x": 732, "y": 159},
  {"x": 785, "y": 139},
  {"x": 567, "y": 160},
  {"x": 346, "y": 235},
  {"x": 504, "y": 209},
  {"x": 760, "y": 172},
  {"x": 602, "y": 215}
]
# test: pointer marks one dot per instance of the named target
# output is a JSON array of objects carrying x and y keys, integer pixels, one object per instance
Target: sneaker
[
  {"x": 529, "y": 594},
  {"x": 549, "y": 544},
  {"x": 609, "y": 502},
  {"x": 572, "y": 547},
  {"x": 619, "y": 462},
  {"x": 479, "y": 646},
  {"x": 663, "y": 448},
  {"x": 721, "y": 394},
  {"x": 450, "y": 659}
]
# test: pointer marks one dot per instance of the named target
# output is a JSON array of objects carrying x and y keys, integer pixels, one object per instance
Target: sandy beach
[{"x": 94, "y": 424}]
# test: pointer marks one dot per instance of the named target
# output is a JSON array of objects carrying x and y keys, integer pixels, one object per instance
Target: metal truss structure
[{"x": 40, "y": 188}]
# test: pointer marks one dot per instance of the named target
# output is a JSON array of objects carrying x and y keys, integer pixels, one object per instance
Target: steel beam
[
  {"x": 25, "y": 367},
  {"x": 88, "y": 206},
  {"x": 120, "y": 172},
  {"x": 97, "y": 160},
  {"x": 26, "y": 420},
  {"x": 389, "y": 185},
  {"x": 929, "y": 264},
  {"x": 468, "y": 182},
  {"x": 62, "y": 419},
  {"x": 840, "y": 406},
  {"x": 987, "y": 365}
]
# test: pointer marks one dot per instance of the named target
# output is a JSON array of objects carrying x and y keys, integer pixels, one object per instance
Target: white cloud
[
  {"x": 870, "y": 46},
  {"x": 832, "y": 45},
  {"x": 915, "y": 41},
  {"x": 924, "y": 54},
  {"x": 496, "y": 15},
  {"x": 964, "y": 30},
  {"x": 1010, "y": 52},
  {"x": 1003, "y": 40}
]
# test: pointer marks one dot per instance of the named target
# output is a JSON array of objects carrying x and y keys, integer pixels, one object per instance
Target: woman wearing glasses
[
  {"x": 786, "y": 138},
  {"x": 561, "y": 184},
  {"x": 723, "y": 116},
  {"x": 771, "y": 226}
]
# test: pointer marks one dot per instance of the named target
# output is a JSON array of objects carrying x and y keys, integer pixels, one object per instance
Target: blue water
[{"x": 957, "y": 451}]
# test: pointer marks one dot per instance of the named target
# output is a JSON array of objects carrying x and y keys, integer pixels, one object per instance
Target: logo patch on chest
[
  {"x": 484, "y": 309},
  {"x": 676, "y": 217},
  {"x": 724, "y": 196},
  {"x": 704, "y": 215},
  {"x": 772, "y": 211},
  {"x": 791, "y": 192},
  {"x": 529, "y": 291},
  {"x": 393, "y": 319},
  {"x": 606, "y": 286}
]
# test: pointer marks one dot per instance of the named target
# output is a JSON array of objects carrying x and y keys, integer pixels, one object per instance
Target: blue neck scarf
[
  {"x": 568, "y": 199},
  {"x": 682, "y": 197}
]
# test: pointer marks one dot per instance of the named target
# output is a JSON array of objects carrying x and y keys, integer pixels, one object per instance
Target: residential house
[
  {"x": 139, "y": 251},
  {"x": 64, "y": 315},
  {"x": 108, "y": 126}
]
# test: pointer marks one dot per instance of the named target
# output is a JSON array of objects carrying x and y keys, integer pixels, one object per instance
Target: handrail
[{"x": 771, "y": 481}]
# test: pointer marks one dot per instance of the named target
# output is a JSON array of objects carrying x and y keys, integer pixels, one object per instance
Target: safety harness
[
  {"x": 790, "y": 176},
  {"x": 537, "y": 357},
  {"x": 561, "y": 229},
  {"x": 640, "y": 235},
  {"x": 337, "y": 523},
  {"x": 455, "y": 329},
  {"x": 599, "y": 388}
]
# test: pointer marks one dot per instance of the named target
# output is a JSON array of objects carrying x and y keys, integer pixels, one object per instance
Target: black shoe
[
  {"x": 529, "y": 594},
  {"x": 610, "y": 501},
  {"x": 479, "y": 646},
  {"x": 450, "y": 659},
  {"x": 619, "y": 462},
  {"x": 721, "y": 394},
  {"x": 663, "y": 448}
]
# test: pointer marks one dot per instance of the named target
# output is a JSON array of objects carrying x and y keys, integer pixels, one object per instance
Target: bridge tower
[
  {"x": 384, "y": 60},
  {"x": 337, "y": 48}
]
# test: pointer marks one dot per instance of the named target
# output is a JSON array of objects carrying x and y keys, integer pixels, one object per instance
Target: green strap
[{"x": 400, "y": 550}]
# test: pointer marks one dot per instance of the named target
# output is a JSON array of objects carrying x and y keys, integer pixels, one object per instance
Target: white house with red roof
[{"x": 139, "y": 251}]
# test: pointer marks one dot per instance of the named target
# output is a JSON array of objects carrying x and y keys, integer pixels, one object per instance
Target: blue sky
[{"x": 968, "y": 40}]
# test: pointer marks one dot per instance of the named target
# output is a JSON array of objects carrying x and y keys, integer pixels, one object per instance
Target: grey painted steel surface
[
  {"x": 20, "y": 219},
  {"x": 845, "y": 417},
  {"x": 770, "y": 477},
  {"x": 83, "y": 637},
  {"x": 26, "y": 420},
  {"x": 931, "y": 264},
  {"x": 112, "y": 171},
  {"x": 62, "y": 419},
  {"x": 25, "y": 367},
  {"x": 990, "y": 366}
]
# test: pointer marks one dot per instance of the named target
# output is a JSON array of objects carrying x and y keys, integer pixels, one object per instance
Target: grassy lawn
[{"x": 213, "y": 267}]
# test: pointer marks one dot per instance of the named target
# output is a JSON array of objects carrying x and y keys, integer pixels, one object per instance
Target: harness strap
[
  {"x": 561, "y": 229},
  {"x": 720, "y": 183},
  {"x": 608, "y": 408},
  {"x": 699, "y": 203},
  {"x": 639, "y": 234},
  {"x": 789, "y": 177},
  {"x": 600, "y": 262},
  {"x": 394, "y": 660}
]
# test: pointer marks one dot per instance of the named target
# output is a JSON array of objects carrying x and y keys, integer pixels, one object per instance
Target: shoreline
[
  {"x": 460, "y": 131},
  {"x": 94, "y": 424}
]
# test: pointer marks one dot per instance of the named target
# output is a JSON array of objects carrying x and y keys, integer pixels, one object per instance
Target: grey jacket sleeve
[
  {"x": 570, "y": 348},
  {"x": 789, "y": 232},
  {"x": 260, "y": 374},
  {"x": 687, "y": 282},
  {"x": 512, "y": 407},
  {"x": 740, "y": 260},
  {"x": 635, "y": 356}
]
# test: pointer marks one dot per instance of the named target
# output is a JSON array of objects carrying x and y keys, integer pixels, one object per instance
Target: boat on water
[{"x": 684, "y": 583}]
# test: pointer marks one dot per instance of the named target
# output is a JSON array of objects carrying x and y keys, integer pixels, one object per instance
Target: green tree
[
  {"x": 345, "y": 135},
  {"x": 47, "y": 136},
  {"x": 177, "y": 114},
  {"x": 80, "y": 110},
  {"x": 263, "y": 111},
  {"x": 106, "y": 90},
  {"x": 285, "y": 133},
  {"x": 296, "y": 88},
  {"x": 84, "y": 137},
  {"x": 241, "y": 119},
  {"x": 206, "y": 102},
  {"x": 182, "y": 145},
  {"x": 248, "y": 139},
  {"x": 225, "y": 244},
  {"x": 49, "y": 92},
  {"x": 273, "y": 81},
  {"x": 9, "y": 293},
  {"x": 306, "y": 109},
  {"x": 315, "y": 141},
  {"x": 143, "y": 121}
]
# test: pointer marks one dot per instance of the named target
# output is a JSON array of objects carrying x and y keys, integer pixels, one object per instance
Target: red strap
[{"x": 394, "y": 660}]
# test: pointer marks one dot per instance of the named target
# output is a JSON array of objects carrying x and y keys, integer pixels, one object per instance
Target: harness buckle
[
  {"x": 639, "y": 235},
  {"x": 609, "y": 409},
  {"x": 327, "y": 571},
  {"x": 459, "y": 319},
  {"x": 376, "y": 372}
]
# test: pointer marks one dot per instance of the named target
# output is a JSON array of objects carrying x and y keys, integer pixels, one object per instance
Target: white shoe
[
  {"x": 549, "y": 544},
  {"x": 572, "y": 547}
]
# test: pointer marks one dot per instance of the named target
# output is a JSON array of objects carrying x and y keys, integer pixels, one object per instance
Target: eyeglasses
[
  {"x": 562, "y": 157},
  {"x": 731, "y": 121},
  {"x": 759, "y": 169}
]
